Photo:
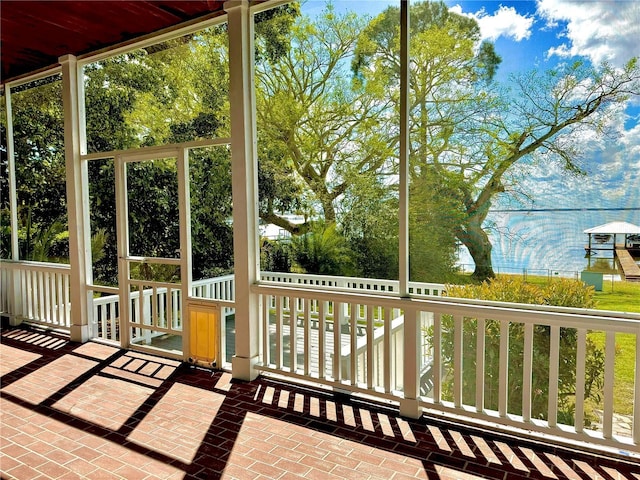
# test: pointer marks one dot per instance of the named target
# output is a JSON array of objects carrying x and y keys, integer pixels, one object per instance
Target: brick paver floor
[{"x": 91, "y": 411}]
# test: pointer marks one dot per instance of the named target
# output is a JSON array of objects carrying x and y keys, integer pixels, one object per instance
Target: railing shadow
[{"x": 171, "y": 420}]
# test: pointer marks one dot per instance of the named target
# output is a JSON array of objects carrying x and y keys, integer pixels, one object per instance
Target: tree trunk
[{"x": 477, "y": 242}]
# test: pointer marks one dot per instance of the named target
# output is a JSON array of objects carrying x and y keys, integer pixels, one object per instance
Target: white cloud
[
  {"x": 505, "y": 22},
  {"x": 600, "y": 30},
  {"x": 631, "y": 141}
]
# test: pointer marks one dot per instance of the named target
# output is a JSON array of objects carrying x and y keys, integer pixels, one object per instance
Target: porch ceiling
[{"x": 34, "y": 34}]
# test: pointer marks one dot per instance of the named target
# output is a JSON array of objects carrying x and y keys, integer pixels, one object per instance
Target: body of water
[{"x": 549, "y": 241}]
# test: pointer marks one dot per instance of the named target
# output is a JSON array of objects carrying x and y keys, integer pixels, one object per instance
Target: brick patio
[{"x": 93, "y": 411}]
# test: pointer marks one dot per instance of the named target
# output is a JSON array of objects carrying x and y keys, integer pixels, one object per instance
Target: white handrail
[
  {"x": 348, "y": 366},
  {"x": 349, "y": 333}
]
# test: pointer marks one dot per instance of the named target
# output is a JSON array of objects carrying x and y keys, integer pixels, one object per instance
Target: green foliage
[
  {"x": 561, "y": 292},
  {"x": 155, "y": 272},
  {"x": 322, "y": 251},
  {"x": 317, "y": 131},
  {"x": 275, "y": 256},
  {"x": 211, "y": 228},
  {"x": 369, "y": 218}
]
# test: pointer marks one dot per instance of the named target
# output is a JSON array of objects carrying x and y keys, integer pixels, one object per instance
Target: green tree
[
  {"x": 323, "y": 251},
  {"x": 448, "y": 61},
  {"x": 467, "y": 136},
  {"x": 317, "y": 129},
  {"x": 39, "y": 169},
  {"x": 369, "y": 222}
]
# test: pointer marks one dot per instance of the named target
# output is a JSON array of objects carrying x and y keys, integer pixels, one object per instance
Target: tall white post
[
  {"x": 16, "y": 292},
  {"x": 403, "y": 253},
  {"x": 77, "y": 201},
  {"x": 11, "y": 158},
  {"x": 244, "y": 171},
  {"x": 409, "y": 405}
]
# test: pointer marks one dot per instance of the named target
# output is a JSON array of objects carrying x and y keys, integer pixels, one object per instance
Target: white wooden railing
[
  {"x": 325, "y": 335},
  {"x": 165, "y": 315},
  {"x": 353, "y": 283},
  {"x": 218, "y": 288},
  {"x": 334, "y": 331},
  {"x": 37, "y": 292}
]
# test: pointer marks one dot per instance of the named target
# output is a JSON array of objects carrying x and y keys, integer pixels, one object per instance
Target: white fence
[
  {"x": 464, "y": 357},
  {"x": 37, "y": 292},
  {"x": 158, "y": 311},
  {"x": 353, "y": 283},
  {"x": 339, "y": 340}
]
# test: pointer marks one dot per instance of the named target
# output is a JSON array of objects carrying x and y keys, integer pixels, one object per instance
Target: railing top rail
[
  {"x": 30, "y": 265},
  {"x": 207, "y": 281},
  {"x": 540, "y": 315},
  {"x": 329, "y": 278}
]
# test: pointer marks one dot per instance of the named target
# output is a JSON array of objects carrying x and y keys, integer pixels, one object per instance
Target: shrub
[{"x": 560, "y": 292}]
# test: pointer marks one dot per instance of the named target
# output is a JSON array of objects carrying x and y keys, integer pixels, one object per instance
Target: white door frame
[{"x": 183, "y": 259}]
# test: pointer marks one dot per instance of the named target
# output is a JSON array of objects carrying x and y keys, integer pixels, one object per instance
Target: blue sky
[{"x": 539, "y": 34}]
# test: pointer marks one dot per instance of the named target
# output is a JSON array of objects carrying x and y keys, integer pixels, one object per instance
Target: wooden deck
[{"x": 630, "y": 269}]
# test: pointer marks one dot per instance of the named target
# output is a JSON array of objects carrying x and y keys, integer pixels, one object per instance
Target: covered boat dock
[{"x": 605, "y": 237}]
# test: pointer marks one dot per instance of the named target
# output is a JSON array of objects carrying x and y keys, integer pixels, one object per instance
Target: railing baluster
[
  {"x": 162, "y": 310},
  {"x": 29, "y": 293},
  {"x": 370, "y": 345},
  {"x": 46, "y": 294},
  {"x": 293, "y": 334},
  {"x": 554, "y": 365},
  {"x": 307, "y": 336},
  {"x": 581, "y": 355},
  {"x": 102, "y": 318},
  {"x": 503, "y": 390},
  {"x": 437, "y": 358},
  {"x": 353, "y": 342},
  {"x": 171, "y": 319},
  {"x": 279, "y": 331},
  {"x": 609, "y": 373},
  {"x": 60, "y": 299},
  {"x": 387, "y": 350},
  {"x": 67, "y": 301},
  {"x": 480, "y": 356},
  {"x": 527, "y": 372},
  {"x": 154, "y": 299},
  {"x": 322, "y": 355},
  {"x": 40, "y": 296},
  {"x": 338, "y": 315},
  {"x": 457, "y": 359},
  {"x": 266, "y": 303}
]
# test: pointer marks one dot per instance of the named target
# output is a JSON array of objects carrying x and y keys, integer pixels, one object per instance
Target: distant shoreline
[{"x": 534, "y": 210}]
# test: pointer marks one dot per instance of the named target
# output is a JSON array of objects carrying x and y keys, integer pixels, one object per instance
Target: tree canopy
[{"x": 328, "y": 128}]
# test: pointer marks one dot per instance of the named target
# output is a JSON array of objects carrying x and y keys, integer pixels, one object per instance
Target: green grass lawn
[
  {"x": 624, "y": 370},
  {"x": 619, "y": 296},
  {"x": 622, "y": 297}
]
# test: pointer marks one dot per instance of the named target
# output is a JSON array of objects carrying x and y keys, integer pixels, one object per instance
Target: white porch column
[
  {"x": 77, "y": 201},
  {"x": 15, "y": 299},
  {"x": 410, "y": 405},
  {"x": 244, "y": 187},
  {"x": 403, "y": 253}
]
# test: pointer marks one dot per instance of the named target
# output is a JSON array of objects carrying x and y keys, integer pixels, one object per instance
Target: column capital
[
  {"x": 69, "y": 58},
  {"x": 235, "y": 4}
]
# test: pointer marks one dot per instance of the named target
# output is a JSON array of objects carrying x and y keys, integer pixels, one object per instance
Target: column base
[
  {"x": 80, "y": 333},
  {"x": 243, "y": 368},
  {"x": 410, "y": 408}
]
